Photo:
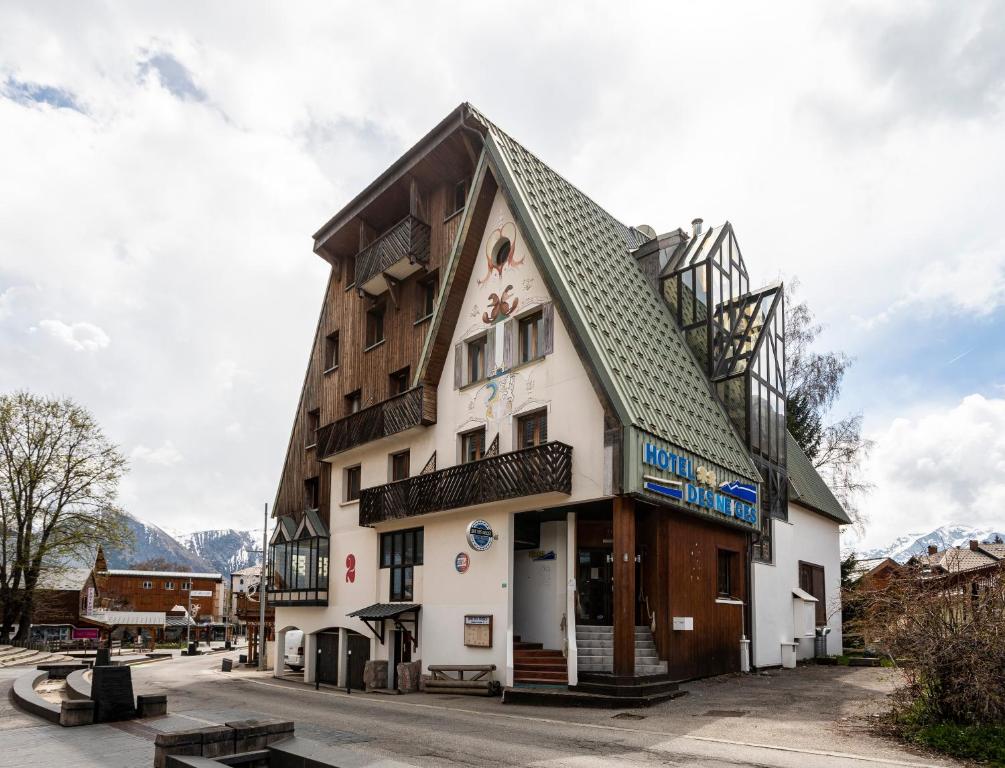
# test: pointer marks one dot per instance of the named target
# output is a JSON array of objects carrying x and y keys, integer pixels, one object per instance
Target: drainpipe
[{"x": 748, "y": 608}]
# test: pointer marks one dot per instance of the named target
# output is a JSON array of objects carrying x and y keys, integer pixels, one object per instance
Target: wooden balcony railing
[
  {"x": 407, "y": 241},
  {"x": 396, "y": 414},
  {"x": 542, "y": 469}
]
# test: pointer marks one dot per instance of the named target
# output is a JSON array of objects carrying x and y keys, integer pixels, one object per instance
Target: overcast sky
[{"x": 163, "y": 167}]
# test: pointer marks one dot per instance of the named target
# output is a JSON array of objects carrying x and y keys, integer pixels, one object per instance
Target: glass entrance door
[{"x": 595, "y": 587}]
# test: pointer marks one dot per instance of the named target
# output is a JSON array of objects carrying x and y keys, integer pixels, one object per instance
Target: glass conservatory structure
[{"x": 738, "y": 338}]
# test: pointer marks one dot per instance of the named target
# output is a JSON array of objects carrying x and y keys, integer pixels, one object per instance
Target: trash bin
[
  {"x": 192, "y": 649},
  {"x": 820, "y": 642},
  {"x": 789, "y": 655}
]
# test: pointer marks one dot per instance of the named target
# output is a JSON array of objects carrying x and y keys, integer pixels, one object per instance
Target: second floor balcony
[
  {"x": 396, "y": 254},
  {"x": 412, "y": 408},
  {"x": 545, "y": 468}
]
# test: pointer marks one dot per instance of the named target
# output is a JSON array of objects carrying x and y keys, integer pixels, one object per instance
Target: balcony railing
[
  {"x": 396, "y": 253},
  {"x": 413, "y": 407},
  {"x": 542, "y": 469}
]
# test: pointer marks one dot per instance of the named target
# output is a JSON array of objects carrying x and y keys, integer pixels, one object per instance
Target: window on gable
[
  {"x": 331, "y": 352},
  {"x": 311, "y": 427},
  {"x": 472, "y": 445},
  {"x": 427, "y": 288},
  {"x": 476, "y": 356},
  {"x": 353, "y": 479},
  {"x": 399, "y": 381},
  {"x": 401, "y": 551},
  {"x": 460, "y": 196},
  {"x": 312, "y": 493},
  {"x": 400, "y": 466},
  {"x": 353, "y": 402},
  {"x": 531, "y": 336},
  {"x": 375, "y": 326},
  {"x": 532, "y": 429}
]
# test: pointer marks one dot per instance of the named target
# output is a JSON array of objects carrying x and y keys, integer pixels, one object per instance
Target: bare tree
[
  {"x": 837, "y": 448},
  {"x": 59, "y": 478}
]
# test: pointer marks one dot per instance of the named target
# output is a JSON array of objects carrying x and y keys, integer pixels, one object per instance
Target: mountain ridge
[{"x": 953, "y": 534}]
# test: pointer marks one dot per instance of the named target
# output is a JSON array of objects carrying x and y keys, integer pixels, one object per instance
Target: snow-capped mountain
[
  {"x": 227, "y": 551},
  {"x": 223, "y": 551},
  {"x": 905, "y": 547},
  {"x": 152, "y": 544}
]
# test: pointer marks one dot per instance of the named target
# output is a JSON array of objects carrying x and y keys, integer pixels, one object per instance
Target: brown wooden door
[
  {"x": 328, "y": 658},
  {"x": 359, "y": 655}
]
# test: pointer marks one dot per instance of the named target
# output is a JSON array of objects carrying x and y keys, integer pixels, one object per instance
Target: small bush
[{"x": 975, "y": 742}]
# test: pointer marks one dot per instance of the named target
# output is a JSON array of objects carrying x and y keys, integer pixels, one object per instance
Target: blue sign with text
[{"x": 699, "y": 486}]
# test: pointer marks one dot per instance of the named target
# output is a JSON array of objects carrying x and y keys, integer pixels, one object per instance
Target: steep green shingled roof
[
  {"x": 807, "y": 487},
  {"x": 639, "y": 353}
]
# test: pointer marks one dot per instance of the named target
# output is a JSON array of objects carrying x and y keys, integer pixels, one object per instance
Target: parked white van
[{"x": 293, "y": 654}]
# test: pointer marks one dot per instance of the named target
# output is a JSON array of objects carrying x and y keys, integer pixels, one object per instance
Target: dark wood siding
[{"x": 367, "y": 370}]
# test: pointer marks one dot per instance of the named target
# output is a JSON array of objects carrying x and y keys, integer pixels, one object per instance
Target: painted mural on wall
[{"x": 504, "y": 290}]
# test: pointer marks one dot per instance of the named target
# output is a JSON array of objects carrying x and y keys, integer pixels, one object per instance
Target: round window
[{"x": 503, "y": 248}]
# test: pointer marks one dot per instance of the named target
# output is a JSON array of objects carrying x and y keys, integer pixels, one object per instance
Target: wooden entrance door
[
  {"x": 595, "y": 585},
  {"x": 359, "y": 654},
  {"x": 401, "y": 653},
  {"x": 328, "y": 658}
]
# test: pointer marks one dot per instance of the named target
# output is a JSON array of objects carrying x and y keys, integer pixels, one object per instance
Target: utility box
[{"x": 804, "y": 613}]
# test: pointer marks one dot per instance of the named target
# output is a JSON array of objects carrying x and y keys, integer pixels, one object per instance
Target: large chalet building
[{"x": 532, "y": 436}]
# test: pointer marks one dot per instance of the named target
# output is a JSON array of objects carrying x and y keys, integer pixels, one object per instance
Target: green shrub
[{"x": 976, "y": 742}]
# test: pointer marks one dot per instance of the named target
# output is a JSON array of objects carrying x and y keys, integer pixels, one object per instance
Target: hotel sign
[{"x": 655, "y": 469}]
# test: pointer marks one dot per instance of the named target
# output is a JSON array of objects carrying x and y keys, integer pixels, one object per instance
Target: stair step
[{"x": 541, "y": 677}]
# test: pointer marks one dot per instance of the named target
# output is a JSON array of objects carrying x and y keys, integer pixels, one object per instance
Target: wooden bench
[{"x": 449, "y": 678}]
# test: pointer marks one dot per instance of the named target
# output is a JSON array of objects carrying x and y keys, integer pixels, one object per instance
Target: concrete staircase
[
  {"x": 14, "y": 656},
  {"x": 533, "y": 664},
  {"x": 596, "y": 651}
]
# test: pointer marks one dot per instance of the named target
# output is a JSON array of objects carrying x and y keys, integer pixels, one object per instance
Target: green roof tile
[
  {"x": 807, "y": 487},
  {"x": 650, "y": 374}
]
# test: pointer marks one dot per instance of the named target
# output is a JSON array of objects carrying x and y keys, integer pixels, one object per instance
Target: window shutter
[
  {"x": 548, "y": 328},
  {"x": 458, "y": 365},
  {"x": 509, "y": 343},
  {"x": 490, "y": 352}
]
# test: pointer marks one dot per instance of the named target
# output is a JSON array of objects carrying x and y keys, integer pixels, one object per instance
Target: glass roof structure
[{"x": 738, "y": 337}]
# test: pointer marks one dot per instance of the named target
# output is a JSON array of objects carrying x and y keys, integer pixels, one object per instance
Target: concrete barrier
[
  {"x": 76, "y": 712},
  {"x": 151, "y": 705},
  {"x": 26, "y": 698}
]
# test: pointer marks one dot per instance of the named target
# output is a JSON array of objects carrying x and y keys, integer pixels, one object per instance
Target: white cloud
[
  {"x": 947, "y": 463},
  {"x": 81, "y": 337},
  {"x": 165, "y": 455}
]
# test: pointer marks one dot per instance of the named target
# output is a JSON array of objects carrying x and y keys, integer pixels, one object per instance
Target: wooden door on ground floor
[
  {"x": 328, "y": 658},
  {"x": 358, "y": 649}
]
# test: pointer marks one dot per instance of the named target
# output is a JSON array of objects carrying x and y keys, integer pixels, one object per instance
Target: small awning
[
  {"x": 397, "y": 612},
  {"x": 384, "y": 610},
  {"x": 803, "y": 595},
  {"x": 125, "y": 618}
]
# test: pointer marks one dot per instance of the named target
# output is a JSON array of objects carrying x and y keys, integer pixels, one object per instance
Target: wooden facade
[
  {"x": 426, "y": 197},
  {"x": 126, "y": 591}
]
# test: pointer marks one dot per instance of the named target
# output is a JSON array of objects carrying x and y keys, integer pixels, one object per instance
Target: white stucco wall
[
  {"x": 811, "y": 538},
  {"x": 557, "y": 382}
]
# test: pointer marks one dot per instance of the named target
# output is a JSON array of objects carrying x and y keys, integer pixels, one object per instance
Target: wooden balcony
[
  {"x": 544, "y": 468},
  {"x": 393, "y": 256},
  {"x": 412, "y": 408}
]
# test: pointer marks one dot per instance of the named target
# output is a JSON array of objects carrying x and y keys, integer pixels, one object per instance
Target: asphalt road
[{"x": 814, "y": 716}]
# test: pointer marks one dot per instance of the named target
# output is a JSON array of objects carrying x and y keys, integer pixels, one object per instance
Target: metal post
[
  {"x": 317, "y": 668},
  {"x": 348, "y": 666},
  {"x": 188, "y": 619},
  {"x": 262, "y": 594}
]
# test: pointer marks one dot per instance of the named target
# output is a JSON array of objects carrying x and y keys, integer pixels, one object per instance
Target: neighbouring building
[
  {"x": 63, "y": 596},
  {"x": 242, "y": 583},
  {"x": 534, "y": 437}
]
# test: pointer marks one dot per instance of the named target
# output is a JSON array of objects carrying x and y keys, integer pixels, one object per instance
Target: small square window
[
  {"x": 331, "y": 352},
  {"x": 472, "y": 445},
  {"x": 148, "y": 585},
  {"x": 399, "y": 466},
  {"x": 531, "y": 337},
  {"x": 399, "y": 381},
  {"x": 375, "y": 326},
  {"x": 353, "y": 477},
  {"x": 725, "y": 573},
  {"x": 311, "y": 427},
  {"x": 427, "y": 288},
  {"x": 312, "y": 492},
  {"x": 168, "y": 585},
  {"x": 353, "y": 402},
  {"x": 349, "y": 273},
  {"x": 477, "y": 365},
  {"x": 532, "y": 429},
  {"x": 186, "y": 586}
]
